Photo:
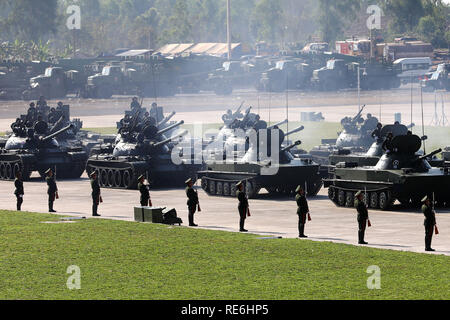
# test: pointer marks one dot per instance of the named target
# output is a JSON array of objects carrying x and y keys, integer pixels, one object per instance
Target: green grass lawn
[
  {"x": 314, "y": 132},
  {"x": 124, "y": 260}
]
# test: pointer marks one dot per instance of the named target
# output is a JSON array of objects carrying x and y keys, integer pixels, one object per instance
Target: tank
[
  {"x": 375, "y": 152},
  {"x": 35, "y": 149},
  {"x": 141, "y": 148},
  {"x": 355, "y": 137},
  {"x": 245, "y": 162},
  {"x": 400, "y": 174}
]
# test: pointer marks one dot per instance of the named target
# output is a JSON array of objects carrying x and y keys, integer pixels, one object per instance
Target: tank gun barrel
[
  {"x": 161, "y": 143},
  {"x": 57, "y": 133},
  {"x": 430, "y": 154},
  {"x": 166, "y": 119},
  {"x": 176, "y": 125},
  {"x": 355, "y": 119},
  {"x": 301, "y": 128},
  {"x": 278, "y": 124},
  {"x": 297, "y": 143}
]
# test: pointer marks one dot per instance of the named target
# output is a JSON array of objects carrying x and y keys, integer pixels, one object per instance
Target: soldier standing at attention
[
  {"x": 243, "y": 206},
  {"x": 95, "y": 194},
  {"x": 192, "y": 202},
  {"x": 429, "y": 223},
  {"x": 52, "y": 190},
  {"x": 302, "y": 210},
  {"x": 363, "y": 216},
  {"x": 18, "y": 183},
  {"x": 145, "y": 193}
]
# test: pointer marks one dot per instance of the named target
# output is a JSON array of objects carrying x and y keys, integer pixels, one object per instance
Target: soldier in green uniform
[
  {"x": 145, "y": 192},
  {"x": 192, "y": 202},
  {"x": 95, "y": 194},
  {"x": 429, "y": 223},
  {"x": 52, "y": 190},
  {"x": 243, "y": 205},
  {"x": 19, "y": 192},
  {"x": 363, "y": 216},
  {"x": 302, "y": 210}
]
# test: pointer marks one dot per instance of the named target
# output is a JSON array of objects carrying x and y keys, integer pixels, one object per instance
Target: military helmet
[
  {"x": 359, "y": 193},
  {"x": 188, "y": 181},
  {"x": 299, "y": 188},
  {"x": 141, "y": 177},
  {"x": 48, "y": 171},
  {"x": 240, "y": 183},
  {"x": 424, "y": 199},
  {"x": 93, "y": 173}
]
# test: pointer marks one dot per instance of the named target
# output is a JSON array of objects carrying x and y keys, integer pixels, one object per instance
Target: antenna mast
[{"x": 229, "y": 28}]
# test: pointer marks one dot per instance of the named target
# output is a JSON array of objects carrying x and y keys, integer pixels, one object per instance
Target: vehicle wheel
[
  {"x": 2, "y": 170},
  {"x": 384, "y": 200},
  {"x": 341, "y": 198},
  {"x": 212, "y": 187},
  {"x": 349, "y": 199},
  {"x": 332, "y": 193},
  {"x": 219, "y": 188},
  {"x": 374, "y": 200},
  {"x": 233, "y": 190},
  {"x": 103, "y": 178},
  {"x": 117, "y": 179},
  {"x": 127, "y": 179},
  {"x": 204, "y": 184},
  {"x": 226, "y": 189},
  {"x": 16, "y": 169},
  {"x": 110, "y": 178},
  {"x": 8, "y": 174},
  {"x": 104, "y": 93}
]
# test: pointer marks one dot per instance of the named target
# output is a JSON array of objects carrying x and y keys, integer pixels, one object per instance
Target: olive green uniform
[
  {"x": 243, "y": 208},
  {"x": 192, "y": 204},
  {"x": 51, "y": 191},
  {"x": 95, "y": 196},
  {"x": 429, "y": 223},
  {"x": 145, "y": 194},
  {"x": 363, "y": 216},
  {"x": 19, "y": 192},
  {"x": 302, "y": 212}
]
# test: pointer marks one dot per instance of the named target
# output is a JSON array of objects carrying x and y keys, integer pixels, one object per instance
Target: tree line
[{"x": 111, "y": 24}]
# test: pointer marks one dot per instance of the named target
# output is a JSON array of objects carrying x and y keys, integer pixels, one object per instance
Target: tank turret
[{"x": 400, "y": 174}]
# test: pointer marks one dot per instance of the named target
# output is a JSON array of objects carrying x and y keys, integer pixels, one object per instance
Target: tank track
[
  {"x": 8, "y": 170},
  {"x": 124, "y": 177},
  {"x": 227, "y": 188},
  {"x": 379, "y": 199}
]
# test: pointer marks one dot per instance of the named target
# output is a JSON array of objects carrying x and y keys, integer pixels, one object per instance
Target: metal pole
[
  {"x": 287, "y": 106},
  {"x": 412, "y": 128},
  {"x": 359, "y": 90},
  {"x": 423, "y": 125},
  {"x": 229, "y": 28}
]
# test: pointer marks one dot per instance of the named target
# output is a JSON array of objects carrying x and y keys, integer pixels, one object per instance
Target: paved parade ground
[{"x": 400, "y": 230}]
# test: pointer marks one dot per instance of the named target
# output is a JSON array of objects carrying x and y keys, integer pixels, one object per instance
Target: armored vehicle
[
  {"x": 355, "y": 137},
  {"x": 234, "y": 157},
  {"x": 375, "y": 152},
  {"x": 440, "y": 79},
  {"x": 400, "y": 174},
  {"x": 286, "y": 75},
  {"x": 36, "y": 149},
  {"x": 141, "y": 148}
]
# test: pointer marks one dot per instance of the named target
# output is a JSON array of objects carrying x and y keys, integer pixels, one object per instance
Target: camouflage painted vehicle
[
  {"x": 355, "y": 137},
  {"x": 401, "y": 175},
  {"x": 36, "y": 149},
  {"x": 141, "y": 148},
  {"x": 221, "y": 175}
]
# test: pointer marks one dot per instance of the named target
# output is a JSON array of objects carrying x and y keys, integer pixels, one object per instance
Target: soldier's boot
[
  {"x": 191, "y": 220},
  {"x": 302, "y": 231},
  {"x": 361, "y": 237},
  {"x": 50, "y": 207},
  {"x": 19, "y": 205},
  {"x": 428, "y": 244},
  {"x": 241, "y": 226},
  {"x": 94, "y": 211}
]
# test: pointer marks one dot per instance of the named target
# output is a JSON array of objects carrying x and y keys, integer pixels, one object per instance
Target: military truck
[
  {"x": 288, "y": 74},
  {"x": 54, "y": 83}
]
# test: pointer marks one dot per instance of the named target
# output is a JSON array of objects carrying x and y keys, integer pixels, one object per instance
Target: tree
[
  {"x": 404, "y": 14},
  {"x": 267, "y": 21},
  {"x": 28, "y": 20}
]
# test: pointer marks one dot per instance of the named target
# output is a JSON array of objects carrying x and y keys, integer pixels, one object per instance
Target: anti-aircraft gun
[
  {"x": 142, "y": 148},
  {"x": 400, "y": 174},
  {"x": 246, "y": 152},
  {"x": 36, "y": 150},
  {"x": 355, "y": 137}
]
